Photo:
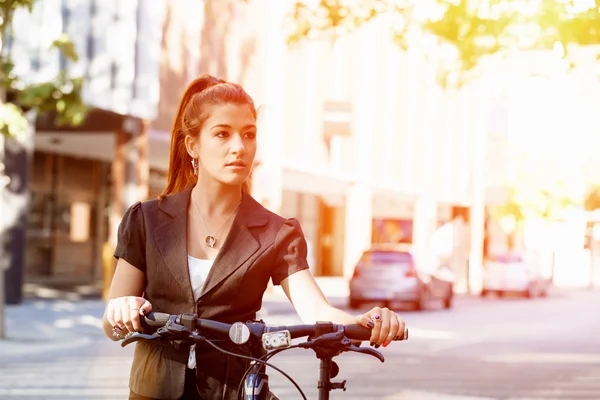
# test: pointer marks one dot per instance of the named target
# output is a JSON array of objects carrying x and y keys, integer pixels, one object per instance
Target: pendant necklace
[{"x": 211, "y": 240}]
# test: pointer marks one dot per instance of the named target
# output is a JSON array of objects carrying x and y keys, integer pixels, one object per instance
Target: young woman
[{"x": 207, "y": 247}]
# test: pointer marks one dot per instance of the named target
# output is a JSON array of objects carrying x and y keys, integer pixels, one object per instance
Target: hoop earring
[{"x": 195, "y": 166}]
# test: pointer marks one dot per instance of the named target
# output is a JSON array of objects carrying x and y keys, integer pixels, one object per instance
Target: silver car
[
  {"x": 390, "y": 274},
  {"x": 519, "y": 273}
]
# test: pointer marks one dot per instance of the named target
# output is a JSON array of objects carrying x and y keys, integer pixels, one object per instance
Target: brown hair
[{"x": 193, "y": 110}]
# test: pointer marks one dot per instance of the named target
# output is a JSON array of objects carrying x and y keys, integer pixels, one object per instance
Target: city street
[
  {"x": 394, "y": 149},
  {"x": 491, "y": 348}
]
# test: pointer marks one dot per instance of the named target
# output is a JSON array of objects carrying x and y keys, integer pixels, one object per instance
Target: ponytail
[
  {"x": 246, "y": 187},
  {"x": 191, "y": 113}
]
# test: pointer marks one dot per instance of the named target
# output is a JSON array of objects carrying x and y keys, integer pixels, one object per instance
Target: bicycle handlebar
[
  {"x": 351, "y": 331},
  {"x": 325, "y": 338}
]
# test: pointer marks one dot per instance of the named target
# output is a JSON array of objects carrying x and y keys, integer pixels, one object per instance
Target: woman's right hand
[{"x": 123, "y": 313}]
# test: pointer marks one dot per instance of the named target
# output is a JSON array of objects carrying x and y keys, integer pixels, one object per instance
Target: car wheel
[
  {"x": 421, "y": 302},
  {"x": 530, "y": 292},
  {"x": 447, "y": 301}
]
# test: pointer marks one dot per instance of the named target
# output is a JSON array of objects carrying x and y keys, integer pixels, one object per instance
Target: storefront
[
  {"x": 323, "y": 226},
  {"x": 386, "y": 230},
  {"x": 67, "y": 221}
]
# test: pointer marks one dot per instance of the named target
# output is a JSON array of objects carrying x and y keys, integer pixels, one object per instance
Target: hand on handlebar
[
  {"x": 123, "y": 313},
  {"x": 326, "y": 339},
  {"x": 385, "y": 325}
]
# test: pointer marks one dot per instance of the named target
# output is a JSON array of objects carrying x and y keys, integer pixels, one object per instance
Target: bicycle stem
[{"x": 325, "y": 385}]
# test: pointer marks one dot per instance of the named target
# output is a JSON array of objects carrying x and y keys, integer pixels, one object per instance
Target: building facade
[
  {"x": 81, "y": 179},
  {"x": 356, "y": 139}
]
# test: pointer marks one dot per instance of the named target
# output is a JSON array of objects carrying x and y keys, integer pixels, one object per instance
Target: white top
[{"x": 199, "y": 270}]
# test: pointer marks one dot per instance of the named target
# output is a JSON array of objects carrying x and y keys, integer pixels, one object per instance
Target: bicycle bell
[{"x": 239, "y": 333}]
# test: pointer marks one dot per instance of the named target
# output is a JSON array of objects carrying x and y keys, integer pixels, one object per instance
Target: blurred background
[{"x": 431, "y": 150}]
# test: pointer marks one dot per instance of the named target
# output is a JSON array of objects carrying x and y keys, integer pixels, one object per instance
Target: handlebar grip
[
  {"x": 403, "y": 337},
  {"x": 359, "y": 332},
  {"x": 155, "y": 319}
]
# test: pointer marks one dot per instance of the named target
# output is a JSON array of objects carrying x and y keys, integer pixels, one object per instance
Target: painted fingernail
[
  {"x": 377, "y": 346},
  {"x": 370, "y": 324},
  {"x": 386, "y": 344},
  {"x": 372, "y": 344}
]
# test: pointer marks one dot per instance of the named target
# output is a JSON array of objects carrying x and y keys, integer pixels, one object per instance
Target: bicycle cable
[
  {"x": 259, "y": 361},
  {"x": 266, "y": 357}
]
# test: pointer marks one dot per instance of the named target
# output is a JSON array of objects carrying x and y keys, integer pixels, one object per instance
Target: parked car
[
  {"x": 394, "y": 274},
  {"x": 512, "y": 272}
]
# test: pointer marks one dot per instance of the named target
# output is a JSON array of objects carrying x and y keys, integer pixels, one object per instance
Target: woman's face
[{"x": 226, "y": 145}]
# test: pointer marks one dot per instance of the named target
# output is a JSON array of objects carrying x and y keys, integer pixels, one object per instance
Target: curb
[{"x": 17, "y": 348}]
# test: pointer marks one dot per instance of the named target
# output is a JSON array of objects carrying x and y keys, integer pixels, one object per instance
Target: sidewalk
[
  {"x": 38, "y": 325},
  {"x": 333, "y": 287},
  {"x": 50, "y": 319}
]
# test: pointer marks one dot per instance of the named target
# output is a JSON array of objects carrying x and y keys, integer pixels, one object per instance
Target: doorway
[{"x": 330, "y": 259}]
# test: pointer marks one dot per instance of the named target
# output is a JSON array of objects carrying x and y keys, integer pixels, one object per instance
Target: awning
[
  {"x": 97, "y": 145},
  {"x": 331, "y": 187}
]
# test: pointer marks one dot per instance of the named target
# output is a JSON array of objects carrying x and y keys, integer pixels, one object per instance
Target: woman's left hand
[{"x": 385, "y": 325}]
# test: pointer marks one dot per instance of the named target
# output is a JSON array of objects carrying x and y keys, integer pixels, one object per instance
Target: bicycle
[{"x": 326, "y": 339}]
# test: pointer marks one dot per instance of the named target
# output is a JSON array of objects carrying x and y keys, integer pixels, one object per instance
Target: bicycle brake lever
[
  {"x": 134, "y": 337},
  {"x": 176, "y": 329},
  {"x": 366, "y": 350},
  {"x": 169, "y": 331}
]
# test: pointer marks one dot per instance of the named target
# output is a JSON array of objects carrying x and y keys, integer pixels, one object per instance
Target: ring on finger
[{"x": 377, "y": 318}]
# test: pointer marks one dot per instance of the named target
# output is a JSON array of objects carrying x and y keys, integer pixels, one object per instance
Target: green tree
[
  {"x": 17, "y": 96},
  {"x": 530, "y": 202},
  {"x": 592, "y": 199},
  {"x": 62, "y": 94},
  {"x": 527, "y": 201},
  {"x": 473, "y": 28}
]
